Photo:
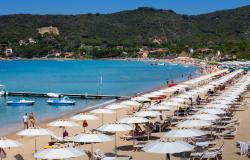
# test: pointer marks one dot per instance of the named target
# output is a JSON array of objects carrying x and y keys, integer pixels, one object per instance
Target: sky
[{"x": 191, "y": 7}]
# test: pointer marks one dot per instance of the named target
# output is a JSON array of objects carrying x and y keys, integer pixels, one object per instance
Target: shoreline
[
  {"x": 43, "y": 123},
  {"x": 193, "y": 63}
]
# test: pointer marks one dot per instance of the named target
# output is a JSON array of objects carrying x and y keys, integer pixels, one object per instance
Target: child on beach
[
  {"x": 25, "y": 121},
  {"x": 32, "y": 119}
]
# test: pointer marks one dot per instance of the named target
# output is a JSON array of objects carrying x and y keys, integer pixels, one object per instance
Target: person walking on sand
[
  {"x": 32, "y": 119},
  {"x": 25, "y": 121}
]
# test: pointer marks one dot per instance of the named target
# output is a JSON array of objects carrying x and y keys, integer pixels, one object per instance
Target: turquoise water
[{"x": 76, "y": 76}]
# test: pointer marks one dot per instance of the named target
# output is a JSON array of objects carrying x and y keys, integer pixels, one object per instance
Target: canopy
[
  {"x": 8, "y": 143},
  {"x": 83, "y": 116},
  {"x": 59, "y": 153},
  {"x": 163, "y": 147},
  {"x": 63, "y": 123},
  {"x": 147, "y": 114},
  {"x": 132, "y": 120},
  {"x": 193, "y": 123},
  {"x": 184, "y": 133}
]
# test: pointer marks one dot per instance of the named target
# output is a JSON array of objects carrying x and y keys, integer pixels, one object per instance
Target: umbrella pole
[
  {"x": 35, "y": 145},
  {"x": 116, "y": 116},
  {"x": 115, "y": 146},
  {"x": 92, "y": 151},
  {"x": 102, "y": 118}
]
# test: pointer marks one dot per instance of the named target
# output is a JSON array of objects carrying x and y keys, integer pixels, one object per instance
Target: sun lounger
[
  {"x": 130, "y": 137},
  {"x": 139, "y": 145}
]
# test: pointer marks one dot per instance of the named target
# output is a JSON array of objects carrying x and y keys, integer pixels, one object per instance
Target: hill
[{"x": 143, "y": 26}]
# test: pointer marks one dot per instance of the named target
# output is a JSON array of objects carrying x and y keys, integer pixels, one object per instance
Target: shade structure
[
  {"x": 102, "y": 111},
  {"x": 83, "y": 116},
  {"x": 157, "y": 93},
  {"x": 34, "y": 132},
  {"x": 115, "y": 127},
  {"x": 92, "y": 138},
  {"x": 206, "y": 117},
  {"x": 165, "y": 147},
  {"x": 171, "y": 104},
  {"x": 147, "y": 114},
  {"x": 193, "y": 124},
  {"x": 184, "y": 133},
  {"x": 116, "y": 106},
  {"x": 212, "y": 111},
  {"x": 141, "y": 99},
  {"x": 59, "y": 153},
  {"x": 160, "y": 107},
  {"x": 218, "y": 106},
  {"x": 133, "y": 120},
  {"x": 8, "y": 143},
  {"x": 63, "y": 123},
  {"x": 131, "y": 103},
  {"x": 178, "y": 100}
]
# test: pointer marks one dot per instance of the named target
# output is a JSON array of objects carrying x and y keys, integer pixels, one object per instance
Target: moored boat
[
  {"x": 22, "y": 102},
  {"x": 63, "y": 101}
]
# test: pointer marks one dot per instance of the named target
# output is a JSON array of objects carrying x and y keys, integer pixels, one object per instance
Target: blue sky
[{"x": 110, "y": 6}]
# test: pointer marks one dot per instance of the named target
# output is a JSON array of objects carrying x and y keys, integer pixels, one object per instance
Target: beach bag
[{"x": 84, "y": 124}]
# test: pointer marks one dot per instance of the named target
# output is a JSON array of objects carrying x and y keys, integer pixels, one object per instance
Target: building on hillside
[
  {"x": 49, "y": 30},
  {"x": 31, "y": 40},
  {"x": 8, "y": 52}
]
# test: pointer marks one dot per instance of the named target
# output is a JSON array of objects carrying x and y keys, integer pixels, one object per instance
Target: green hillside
[{"x": 227, "y": 30}]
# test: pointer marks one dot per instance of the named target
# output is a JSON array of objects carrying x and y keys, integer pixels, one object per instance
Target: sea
[{"x": 107, "y": 77}]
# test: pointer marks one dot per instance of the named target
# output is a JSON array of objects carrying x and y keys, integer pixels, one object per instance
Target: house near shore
[
  {"x": 8, "y": 52},
  {"x": 145, "y": 53}
]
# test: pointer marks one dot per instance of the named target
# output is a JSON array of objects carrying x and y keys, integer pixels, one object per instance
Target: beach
[{"x": 25, "y": 152}]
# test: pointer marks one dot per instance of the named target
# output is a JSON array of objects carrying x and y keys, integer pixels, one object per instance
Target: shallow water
[{"x": 76, "y": 76}]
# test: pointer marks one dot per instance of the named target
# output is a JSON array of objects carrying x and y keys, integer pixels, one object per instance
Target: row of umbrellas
[{"x": 122, "y": 125}]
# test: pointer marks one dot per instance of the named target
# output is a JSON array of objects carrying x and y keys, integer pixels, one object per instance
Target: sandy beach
[{"x": 27, "y": 149}]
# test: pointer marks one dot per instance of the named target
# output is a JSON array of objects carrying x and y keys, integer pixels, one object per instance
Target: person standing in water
[
  {"x": 25, "y": 121},
  {"x": 32, "y": 119}
]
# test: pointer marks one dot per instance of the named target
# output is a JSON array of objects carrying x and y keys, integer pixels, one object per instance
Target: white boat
[
  {"x": 22, "y": 102},
  {"x": 61, "y": 102},
  {"x": 160, "y": 64},
  {"x": 53, "y": 95}
]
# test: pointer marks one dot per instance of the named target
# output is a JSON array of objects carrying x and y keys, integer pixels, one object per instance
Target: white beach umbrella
[
  {"x": 160, "y": 107},
  {"x": 165, "y": 147},
  {"x": 116, "y": 107},
  {"x": 184, "y": 133},
  {"x": 178, "y": 100},
  {"x": 147, "y": 114},
  {"x": 205, "y": 117},
  {"x": 193, "y": 124},
  {"x": 83, "y": 116},
  {"x": 133, "y": 120},
  {"x": 170, "y": 103},
  {"x": 63, "y": 123},
  {"x": 141, "y": 99},
  {"x": 218, "y": 106},
  {"x": 59, "y": 153},
  {"x": 131, "y": 103},
  {"x": 212, "y": 111},
  {"x": 102, "y": 111},
  {"x": 115, "y": 127},
  {"x": 34, "y": 132},
  {"x": 91, "y": 138},
  {"x": 8, "y": 143}
]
